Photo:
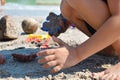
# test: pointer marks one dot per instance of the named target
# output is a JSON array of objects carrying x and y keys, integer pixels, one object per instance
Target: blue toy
[{"x": 55, "y": 24}]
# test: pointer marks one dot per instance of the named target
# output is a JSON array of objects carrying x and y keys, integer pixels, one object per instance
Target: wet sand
[{"x": 14, "y": 70}]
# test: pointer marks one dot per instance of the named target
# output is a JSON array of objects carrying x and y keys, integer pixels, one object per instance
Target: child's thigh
[{"x": 94, "y": 12}]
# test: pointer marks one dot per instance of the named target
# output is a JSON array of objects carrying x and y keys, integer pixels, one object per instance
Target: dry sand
[{"x": 14, "y": 70}]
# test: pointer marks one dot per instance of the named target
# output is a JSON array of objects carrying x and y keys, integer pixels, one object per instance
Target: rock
[
  {"x": 2, "y": 59},
  {"x": 8, "y": 28},
  {"x": 30, "y": 25}
]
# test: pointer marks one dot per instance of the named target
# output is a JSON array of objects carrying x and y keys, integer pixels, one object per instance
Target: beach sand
[{"x": 14, "y": 70}]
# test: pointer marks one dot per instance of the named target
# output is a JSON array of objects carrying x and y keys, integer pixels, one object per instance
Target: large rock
[
  {"x": 8, "y": 28},
  {"x": 30, "y": 25}
]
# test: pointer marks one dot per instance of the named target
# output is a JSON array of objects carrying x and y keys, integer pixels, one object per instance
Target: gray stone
[{"x": 8, "y": 28}]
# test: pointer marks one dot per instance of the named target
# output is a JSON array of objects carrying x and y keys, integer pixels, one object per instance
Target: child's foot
[{"x": 112, "y": 73}]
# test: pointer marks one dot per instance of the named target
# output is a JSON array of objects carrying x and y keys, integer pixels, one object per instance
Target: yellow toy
[{"x": 40, "y": 39}]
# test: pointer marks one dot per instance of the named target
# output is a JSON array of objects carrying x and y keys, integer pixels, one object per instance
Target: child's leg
[
  {"x": 94, "y": 12},
  {"x": 67, "y": 10},
  {"x": 77, "y": 19}
]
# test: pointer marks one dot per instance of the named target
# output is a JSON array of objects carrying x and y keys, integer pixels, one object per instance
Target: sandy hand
[
  {"x": 55, "y": 24},
  {"x": 59, "y": 58}
]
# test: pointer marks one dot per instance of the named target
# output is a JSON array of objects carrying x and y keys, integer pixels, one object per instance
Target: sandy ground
[{"x": 14, "y": 70}]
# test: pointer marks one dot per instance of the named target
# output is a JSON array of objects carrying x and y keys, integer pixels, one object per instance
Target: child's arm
[{"x": 105, "y": 36}]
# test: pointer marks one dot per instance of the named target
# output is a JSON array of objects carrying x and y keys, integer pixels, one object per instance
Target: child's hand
[{"x": 59, "y": 58}]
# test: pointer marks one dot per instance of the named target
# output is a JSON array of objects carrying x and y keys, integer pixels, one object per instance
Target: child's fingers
[
  {"x": 50, "y": 64},
  {"x": 46, "y": 52},
  {"x": 46, "y": 59},
  {"x": 56, "y": 69}
]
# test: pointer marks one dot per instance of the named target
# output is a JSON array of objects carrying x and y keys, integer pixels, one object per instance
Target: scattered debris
[{"x": 19, "y": 48}]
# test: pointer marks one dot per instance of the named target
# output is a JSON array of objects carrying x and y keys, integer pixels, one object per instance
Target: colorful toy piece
[
  {"x": 42, "y": 40},
  {"x": 37, "y": 37}
]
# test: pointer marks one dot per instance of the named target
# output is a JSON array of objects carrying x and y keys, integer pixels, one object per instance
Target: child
[
  {"x": 3, "y": 2},
  {"x": 104, "y": 17}
]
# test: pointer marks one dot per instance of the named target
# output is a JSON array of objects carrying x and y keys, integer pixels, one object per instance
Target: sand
[{"x": 14, "y": 70}]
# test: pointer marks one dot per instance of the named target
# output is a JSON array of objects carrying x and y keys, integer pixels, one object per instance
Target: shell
[
  {"x": 30, "y": 25},
  {"x": 23, "y": 57}
]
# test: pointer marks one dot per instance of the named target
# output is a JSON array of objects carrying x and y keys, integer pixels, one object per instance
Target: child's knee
[
  {"x": 75, "y": 3},
  {"x": 66, "y": 10},
  {"x": 70, "y": 1}
]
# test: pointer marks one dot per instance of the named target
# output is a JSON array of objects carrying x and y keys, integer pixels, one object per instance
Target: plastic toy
[{"x": 55, "y": 24}]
